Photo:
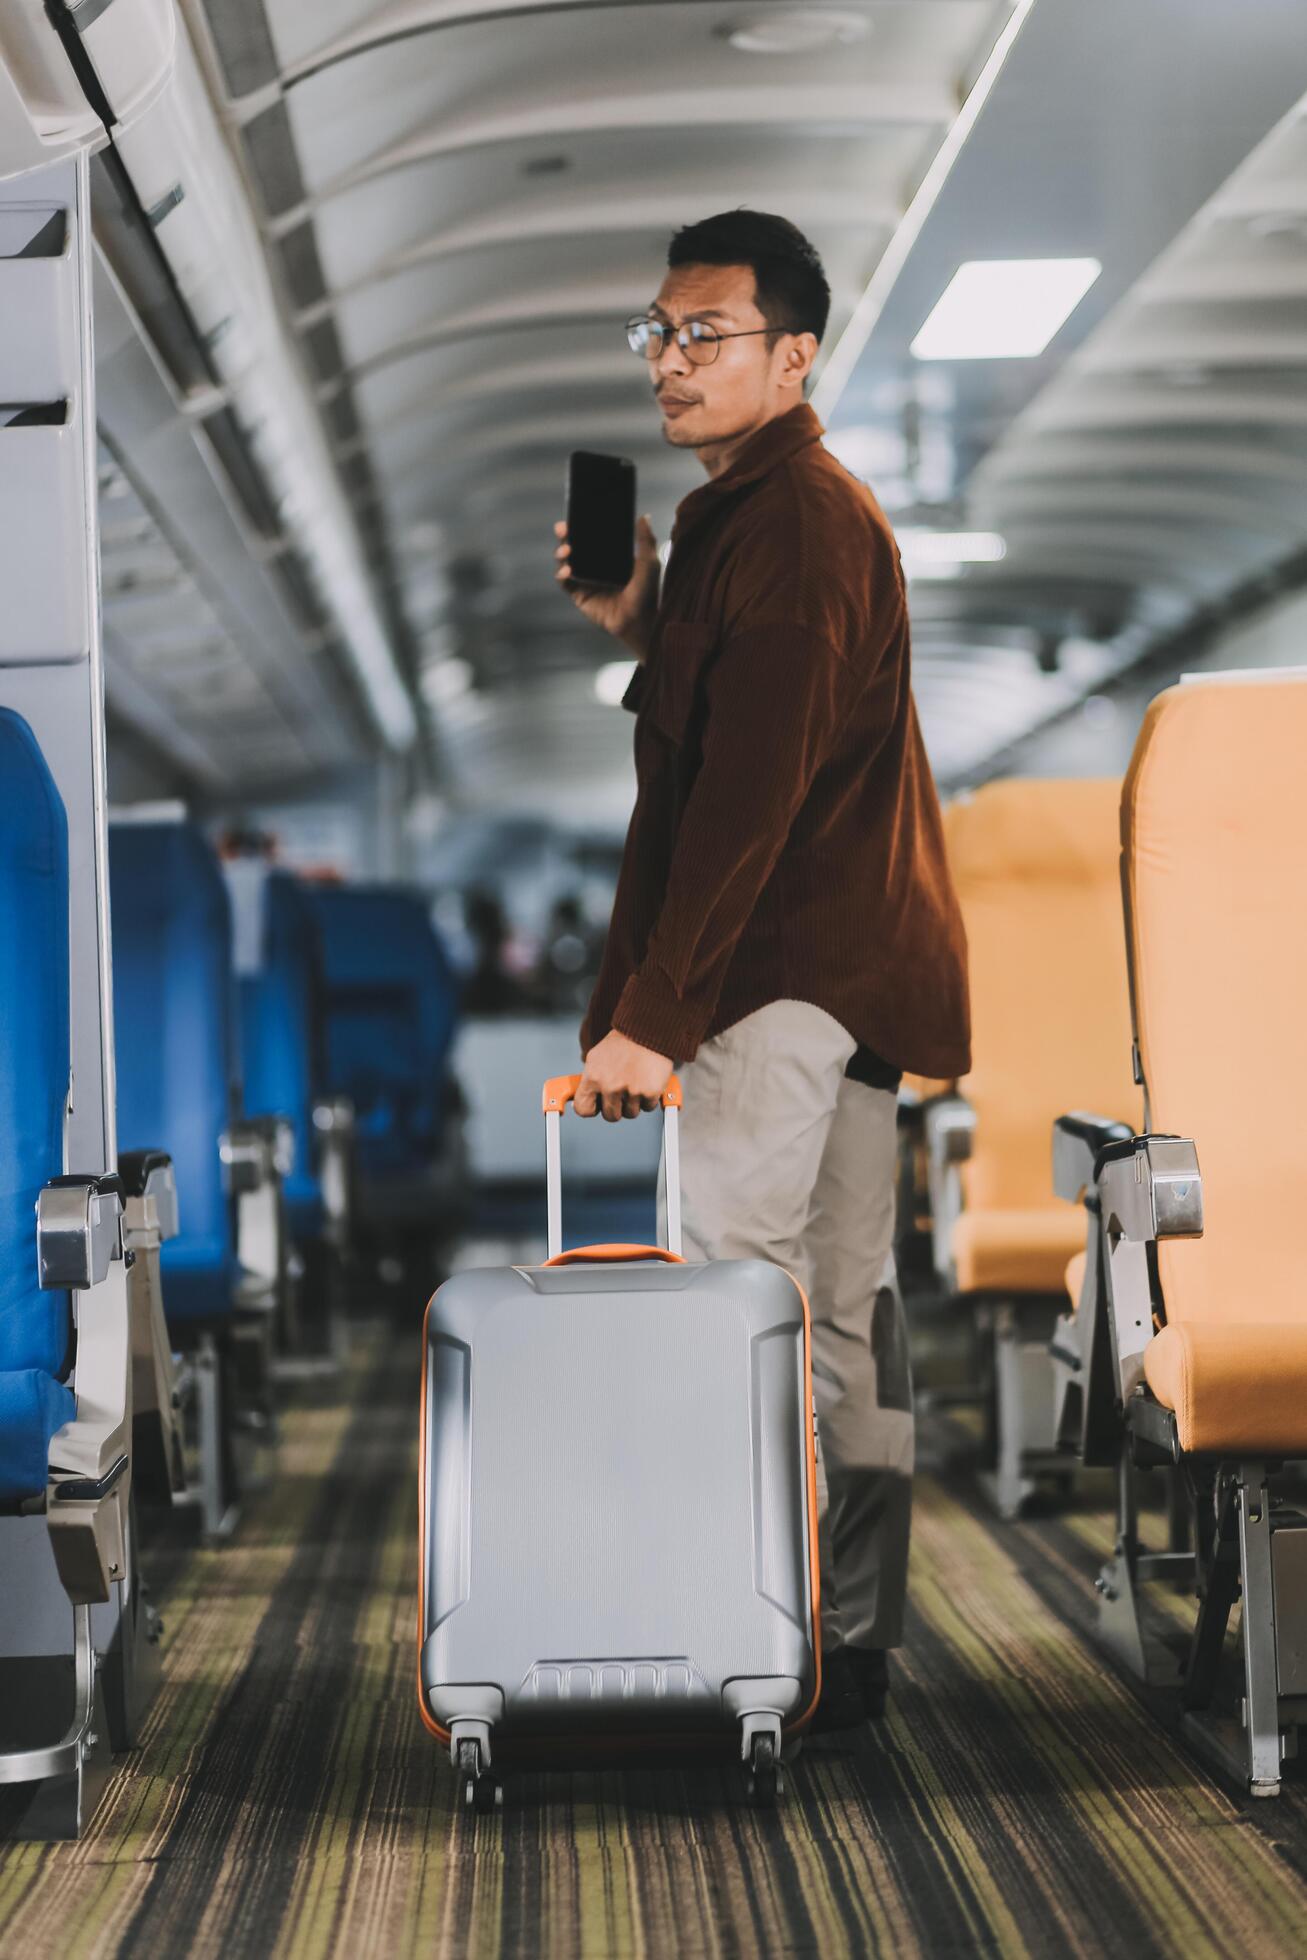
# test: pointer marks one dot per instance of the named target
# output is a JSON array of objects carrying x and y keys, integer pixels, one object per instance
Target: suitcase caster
[
  {"x": 764, "y": 1780},
  {"x": 483, "y": 1793}
]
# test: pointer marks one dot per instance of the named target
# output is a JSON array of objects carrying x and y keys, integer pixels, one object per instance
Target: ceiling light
[
  {"x": 1003, "y": 309},
  {"x": 1278, "y": 224},
  {"x": 867, "y": 449},
  {"x": 445, "y": 681},
  {"x": 612, "y": 681},
  {"x": 796, "y": 30},
  {"x": 1185, "y": 374},
  {"x": 942, "y": 554}
]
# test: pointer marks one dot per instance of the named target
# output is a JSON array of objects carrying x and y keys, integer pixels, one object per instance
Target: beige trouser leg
[{"x": 783, "y": 1158}]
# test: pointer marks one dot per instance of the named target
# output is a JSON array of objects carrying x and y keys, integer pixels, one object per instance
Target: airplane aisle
[{"x": 286, "y": 1799}]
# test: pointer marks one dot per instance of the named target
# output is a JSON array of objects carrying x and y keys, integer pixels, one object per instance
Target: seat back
[
  {"x": 35, "y": 1326},
  {"x": 1036, "y": 867},
  {"x": 283, "y": 1063},
  {"x": 391, "y": 1007},
  {"x": 174, "y": 1031},
  {"x": 1213, "y": 821}
]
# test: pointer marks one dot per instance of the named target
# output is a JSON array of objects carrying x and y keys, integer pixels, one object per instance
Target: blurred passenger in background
[
  {"x": 569, "y": 959},
  {"x": 489, "y": 988},
  {"x": 784, "y": 926}
]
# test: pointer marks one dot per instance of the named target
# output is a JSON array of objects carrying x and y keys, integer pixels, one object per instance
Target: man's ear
[{"x": 799, "y": 357}]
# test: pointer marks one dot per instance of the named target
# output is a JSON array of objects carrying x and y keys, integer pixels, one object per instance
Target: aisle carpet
[{"x": 285, "y": 1799}]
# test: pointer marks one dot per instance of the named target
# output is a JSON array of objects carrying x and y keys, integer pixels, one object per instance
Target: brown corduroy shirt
[{"x": 786, "y": 840}]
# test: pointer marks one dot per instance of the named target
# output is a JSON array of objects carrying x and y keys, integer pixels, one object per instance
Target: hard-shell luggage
[{"x": 618, "y": 1503}]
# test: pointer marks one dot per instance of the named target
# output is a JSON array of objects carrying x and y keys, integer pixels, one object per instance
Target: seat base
[{"x": 131, "y": 1667}]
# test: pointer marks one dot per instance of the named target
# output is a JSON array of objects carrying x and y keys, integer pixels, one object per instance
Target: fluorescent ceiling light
[
  {"x": 1003, "y": 309},
  {"x": 796, "y": 30},
  {"x": 942, "y": 554},
  {"x": 612, "y": 681},
  {"x": 838, "y": 366},
  {"x": 445, "y": 682}
]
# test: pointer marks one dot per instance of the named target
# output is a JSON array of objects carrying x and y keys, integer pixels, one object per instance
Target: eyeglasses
[{"x": 696, "y": 339}]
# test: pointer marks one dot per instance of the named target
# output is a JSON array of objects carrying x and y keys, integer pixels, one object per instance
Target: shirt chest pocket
[{"x": 677, "y": 675}]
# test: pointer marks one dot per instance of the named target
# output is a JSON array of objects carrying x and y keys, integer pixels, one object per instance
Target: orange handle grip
[
  {"x": 560, "y": 1089},
  {"x": 609, "y": 1253}
]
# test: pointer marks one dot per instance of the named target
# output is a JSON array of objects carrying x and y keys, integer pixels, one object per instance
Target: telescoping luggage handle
[{"x": 559, "y": 1091}]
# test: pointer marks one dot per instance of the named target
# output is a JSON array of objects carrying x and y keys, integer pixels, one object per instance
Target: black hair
[{"x": 792, "y": 291}]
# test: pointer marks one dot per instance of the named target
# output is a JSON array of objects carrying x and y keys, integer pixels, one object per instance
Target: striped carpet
[{"x": 286, "y": 1801}]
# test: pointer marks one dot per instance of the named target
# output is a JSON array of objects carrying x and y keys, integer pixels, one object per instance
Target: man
[{"x": 784, "y": 928}]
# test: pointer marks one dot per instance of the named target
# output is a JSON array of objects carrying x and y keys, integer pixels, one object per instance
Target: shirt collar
[{"x": 774, "y": 443}]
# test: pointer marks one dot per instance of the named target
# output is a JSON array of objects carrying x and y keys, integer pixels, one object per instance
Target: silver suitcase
[{"x": 618, "y": 1504}]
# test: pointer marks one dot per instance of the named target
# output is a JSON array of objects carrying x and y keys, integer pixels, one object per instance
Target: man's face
[{"x": 748, "y": 382}]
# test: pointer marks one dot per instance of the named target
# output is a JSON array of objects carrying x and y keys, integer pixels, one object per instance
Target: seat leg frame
[
  {"x": 219, "y": 1507},
  {"x": 1232, "y": 1560},
  {"x": 67, "y": 1777},
  {"x": 1021, "y": 1371}
]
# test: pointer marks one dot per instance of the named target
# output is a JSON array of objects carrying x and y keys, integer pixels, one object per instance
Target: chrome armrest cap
[{"x": 78, "y": 1232}]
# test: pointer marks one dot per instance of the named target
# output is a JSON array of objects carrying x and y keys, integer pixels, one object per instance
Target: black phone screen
[{"x": 601, "y": 517}]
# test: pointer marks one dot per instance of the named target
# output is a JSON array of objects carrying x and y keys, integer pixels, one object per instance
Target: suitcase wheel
[
  {"x": 764, "y": 1779},
  {"x": 483, "y": 1793}
]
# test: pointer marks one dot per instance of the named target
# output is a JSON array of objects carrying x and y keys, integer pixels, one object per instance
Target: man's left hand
[{"x": 621, "y": 1078}]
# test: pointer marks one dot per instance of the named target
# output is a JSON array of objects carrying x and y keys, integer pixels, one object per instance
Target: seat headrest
[
  {"x": 1025, "y": 828},
  {"x": 34, "y": 812},
  {"x": 162, "y": 870},
  {"x": 375, "y": 932}
]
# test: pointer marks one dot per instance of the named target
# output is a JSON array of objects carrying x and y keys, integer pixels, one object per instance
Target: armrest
[
  {"x": 78, "y": 1231},
  {"x": 136, "y": 1166},
  {"x": 1152, "y": 1189},
  {"x": 150, "y": 1181},
  {"x": 255, "y": 1148},
  {"x": 950, "y": 1129},
  {"x": 334, "y": 1116},
  {"x": 1082, "y": 1144}
]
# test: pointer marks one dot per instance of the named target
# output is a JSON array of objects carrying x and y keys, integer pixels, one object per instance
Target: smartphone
[{"x": 601, "y": 517}]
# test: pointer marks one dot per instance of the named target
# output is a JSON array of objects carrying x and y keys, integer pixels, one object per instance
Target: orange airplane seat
[
  {"x": 1203, "y": 1316},
  {"x": 1036, "y": 868}
]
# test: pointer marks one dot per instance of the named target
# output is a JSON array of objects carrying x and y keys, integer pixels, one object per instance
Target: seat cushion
[
  {"x": 1075, "y": 1277},
  {"x": 306, "y": 1213},
  {"x": 1017, "y": 1251},
  {"x": 1237, "y": 1388},
  {"x": 32, "y": 1406},
  {"x": 199, "y": 1277}
]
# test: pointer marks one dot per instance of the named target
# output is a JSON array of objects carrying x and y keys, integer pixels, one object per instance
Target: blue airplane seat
[
  {"x": 391, "y": 1007},
  {"x": 282, "y": 1037},
  {"x": 36, "y": 1331},
  {"x": 175, "y": 1038}
]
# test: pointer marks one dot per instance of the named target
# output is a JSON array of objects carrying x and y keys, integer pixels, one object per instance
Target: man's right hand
[{"x": 628, "y": 613}]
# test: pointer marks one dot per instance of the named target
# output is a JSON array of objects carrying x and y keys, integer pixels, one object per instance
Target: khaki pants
[{"x": 783, "y": 1158}]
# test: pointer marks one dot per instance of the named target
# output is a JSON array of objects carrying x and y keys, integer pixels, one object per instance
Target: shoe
[
  {"x": 841, "y": 1703},
  {"x": 869, "y": 1667}
]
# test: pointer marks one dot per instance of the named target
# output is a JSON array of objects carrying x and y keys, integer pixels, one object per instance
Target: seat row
[
  {"x": 1110, "y": 1195},
  {"x": 281, "y": 1108}
]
